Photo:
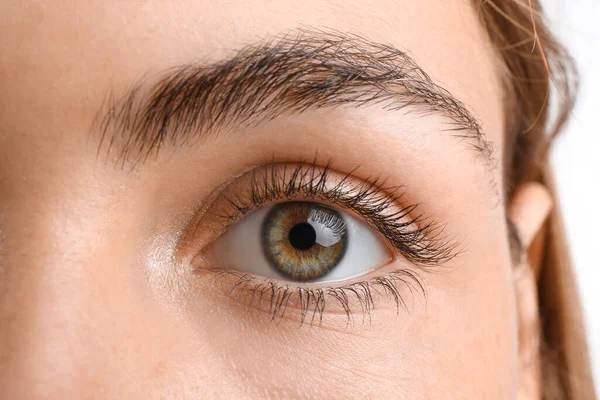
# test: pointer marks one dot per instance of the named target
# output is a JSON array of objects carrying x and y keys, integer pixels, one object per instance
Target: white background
[{"x": 577, "y": 155}]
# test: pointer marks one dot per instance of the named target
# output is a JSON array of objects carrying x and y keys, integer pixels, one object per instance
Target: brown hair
[{"x": 537, "y": 72}]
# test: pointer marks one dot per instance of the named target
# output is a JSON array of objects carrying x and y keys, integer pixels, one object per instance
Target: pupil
[{"x": 303, "y": 236}]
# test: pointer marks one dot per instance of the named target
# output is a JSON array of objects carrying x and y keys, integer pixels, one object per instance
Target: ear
[{"x": 528, "y": 212}]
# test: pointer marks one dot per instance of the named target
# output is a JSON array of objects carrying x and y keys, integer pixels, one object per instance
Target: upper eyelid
[{"x": 419, "y": 241}]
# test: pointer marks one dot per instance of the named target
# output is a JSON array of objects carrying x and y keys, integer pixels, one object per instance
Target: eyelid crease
[{"x": 417, "y": 238}]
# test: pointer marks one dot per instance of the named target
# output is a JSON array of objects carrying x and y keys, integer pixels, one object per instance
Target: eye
[
  {"x": 281, "y": 224},
  {"x": 301, "y": 241}
]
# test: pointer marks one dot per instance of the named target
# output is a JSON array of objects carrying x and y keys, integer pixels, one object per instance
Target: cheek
[
  {"x": 470, "y": 325},
  {"x": 475, "y": 334},
  {"x": 459, "y": 342}
]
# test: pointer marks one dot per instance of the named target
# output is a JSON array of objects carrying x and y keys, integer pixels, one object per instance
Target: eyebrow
[{"x": 289, "y": 74}]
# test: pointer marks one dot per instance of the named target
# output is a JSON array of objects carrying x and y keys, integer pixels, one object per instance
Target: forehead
[{"x": 73, "y": 53}]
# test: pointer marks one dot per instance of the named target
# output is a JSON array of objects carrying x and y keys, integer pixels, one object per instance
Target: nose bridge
[
  {"x": 52, "y": 298},
  {"x": 42, "y": 341}
]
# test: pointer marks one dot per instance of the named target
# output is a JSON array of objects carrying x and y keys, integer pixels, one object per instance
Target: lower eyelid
[{"x": 391, "y": 292}]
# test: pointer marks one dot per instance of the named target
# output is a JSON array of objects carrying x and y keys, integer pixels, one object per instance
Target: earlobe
[{"x": 528, "y": 212}]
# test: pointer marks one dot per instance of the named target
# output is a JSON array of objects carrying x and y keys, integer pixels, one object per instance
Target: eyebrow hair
[{"x": 288, "y": 74}]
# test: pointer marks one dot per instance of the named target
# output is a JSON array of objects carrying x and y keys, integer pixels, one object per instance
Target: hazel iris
[{"x": 304, "y": 241}]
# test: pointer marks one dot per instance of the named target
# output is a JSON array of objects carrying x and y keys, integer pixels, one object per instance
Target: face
[{"x": 296, "y": 199}]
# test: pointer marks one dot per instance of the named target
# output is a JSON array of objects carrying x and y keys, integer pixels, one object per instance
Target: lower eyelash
[{"x": 275, "y": 298}]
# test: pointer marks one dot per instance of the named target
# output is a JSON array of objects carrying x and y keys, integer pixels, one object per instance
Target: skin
[{"x": 91, "y": 304}]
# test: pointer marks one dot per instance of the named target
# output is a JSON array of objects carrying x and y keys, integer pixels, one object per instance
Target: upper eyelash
[{"x": 419, "y": 240}]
